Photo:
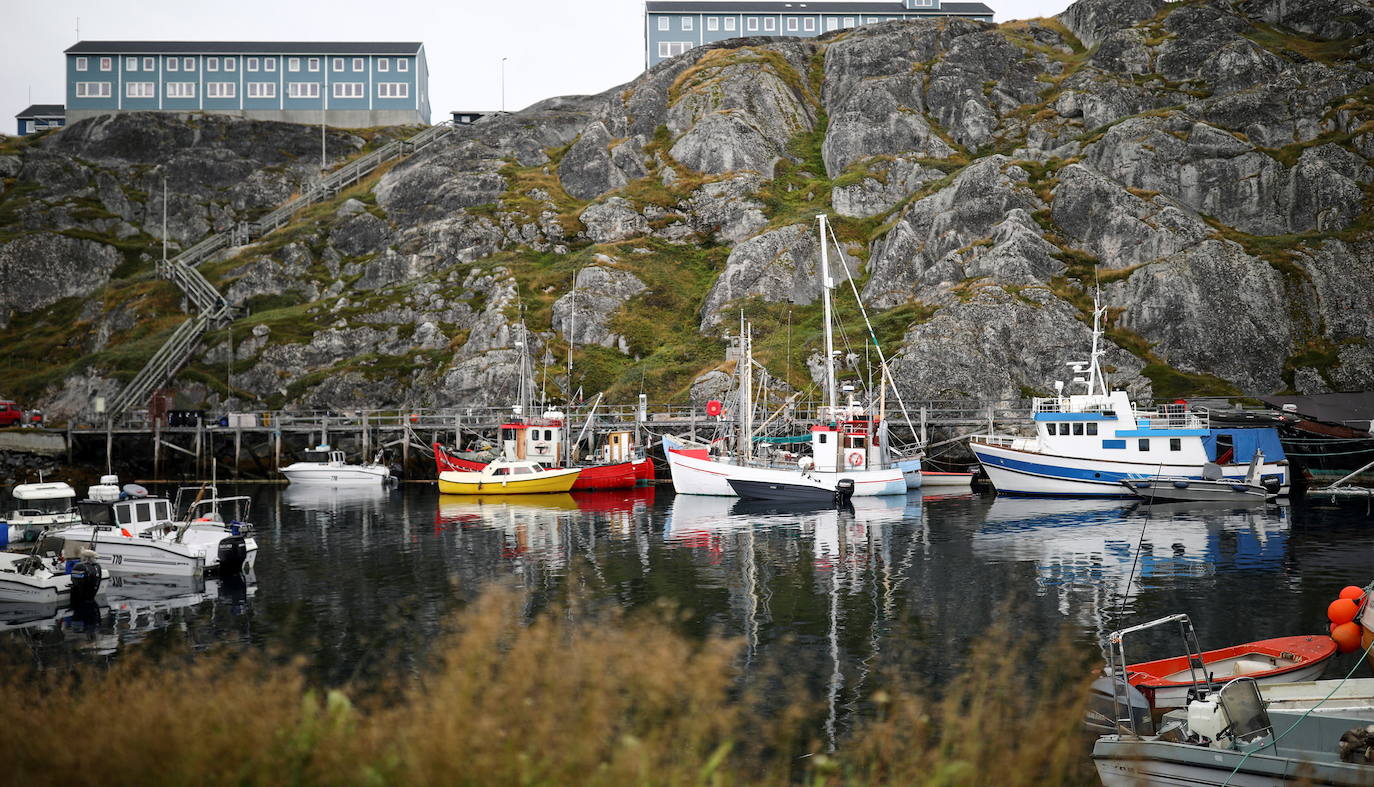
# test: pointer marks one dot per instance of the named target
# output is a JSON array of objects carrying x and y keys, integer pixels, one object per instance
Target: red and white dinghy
[{"x": 1165, "y": 682}]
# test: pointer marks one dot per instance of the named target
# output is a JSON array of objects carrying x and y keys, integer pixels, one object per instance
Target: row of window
[
  {"x": 770, "y": 23},
  {"x": 231, "y": 64},
  {"x": 255, "y": 90},
  {"x": 1079, "y": 427}
]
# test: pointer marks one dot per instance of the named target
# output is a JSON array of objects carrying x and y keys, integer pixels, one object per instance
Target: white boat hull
[
  {"x": 693, "y": 476},
  {"x": 911, "y": 471},
  {"x": 136, "y": 555},
  {"x": 931, "y": 478},
  {"x": 1028, "y": 473},
  {"x": 344, "y": 475}
]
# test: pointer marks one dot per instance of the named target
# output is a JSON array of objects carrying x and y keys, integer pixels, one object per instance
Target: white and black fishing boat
[
  {"x": 139, "y": 534},
  {"x": 807, "y": 490},
  {"x": 46, "y": 578},
  {"x": 36, "y": 507},
  {"x": 324, "y": 465}
]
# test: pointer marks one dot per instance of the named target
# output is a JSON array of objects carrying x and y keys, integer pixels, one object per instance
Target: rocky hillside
[{"x": 1207, "y": 163}]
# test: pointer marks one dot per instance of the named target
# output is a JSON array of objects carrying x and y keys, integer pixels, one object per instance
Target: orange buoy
[
  {"x": 1342, "y": 610},
  {"x": 1347, "y": 637},
  {"x": 1352, "y": 592}
]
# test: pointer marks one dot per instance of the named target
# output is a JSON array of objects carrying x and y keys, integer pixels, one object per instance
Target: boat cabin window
[
  {"x": 312, "y": 455},
  {"x": 1051, "y": 428},
  {"x": 124, "y": 515},
  {"x": 1175, "y": 444},
  {"x": 856, "y": 441},
  {"x": 47, "y": 505},
  {"x": 507, "y": 434},
  {"x": 522, "y": 471},
  {"x": 1091, "y": 426},
  {"x": 1144, "y": 443},
  {"x": 820, "y": 438},
  {"x": 96, "y": 514},
  {"x": 500, "y": 471},
  {"x": 548, "y": 434},
  {"x": 1078, "y": 428}
]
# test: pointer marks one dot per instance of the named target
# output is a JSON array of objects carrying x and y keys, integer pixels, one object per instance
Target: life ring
[{"x": 856, "y": 459}]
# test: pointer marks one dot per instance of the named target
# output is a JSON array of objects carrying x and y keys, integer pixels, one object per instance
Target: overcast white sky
[{"x": 552, "y": 47}]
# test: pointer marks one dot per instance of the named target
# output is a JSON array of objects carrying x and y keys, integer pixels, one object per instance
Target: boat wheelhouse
[
  {"x": 36, "y": 506},
  {"x": 1086, "y": 444}
]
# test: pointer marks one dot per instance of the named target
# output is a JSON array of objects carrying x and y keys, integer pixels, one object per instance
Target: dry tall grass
[{"x": 614, "y": 701}]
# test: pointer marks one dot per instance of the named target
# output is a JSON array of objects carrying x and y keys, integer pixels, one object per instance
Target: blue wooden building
[
  {"x": 671, "y": 27},
  {"x": 41, "y": 117},
  {"x": 344, "y": 84}
]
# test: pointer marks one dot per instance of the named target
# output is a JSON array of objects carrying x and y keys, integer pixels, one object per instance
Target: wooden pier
[{"x": 258, "y": 443}]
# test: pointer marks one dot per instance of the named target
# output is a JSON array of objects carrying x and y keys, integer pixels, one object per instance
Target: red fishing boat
[{"x": 615, "y": 465}]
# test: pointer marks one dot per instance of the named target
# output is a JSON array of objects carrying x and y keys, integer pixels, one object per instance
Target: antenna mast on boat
[
  {"x": 746, "y": 390},
  {"x": 1097, "y": 379},
  {"x": 826, "y": 284}
]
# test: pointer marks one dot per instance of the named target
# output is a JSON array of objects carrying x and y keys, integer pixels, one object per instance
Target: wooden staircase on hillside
[{"x": 210, "y": 308}]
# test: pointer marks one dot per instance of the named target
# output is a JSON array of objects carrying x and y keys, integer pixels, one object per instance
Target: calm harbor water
[{"x": 361, "y": 581}]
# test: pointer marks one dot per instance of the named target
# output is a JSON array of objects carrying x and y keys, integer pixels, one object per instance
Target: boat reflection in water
[
  {"x": 1092, "y": 552},
  {"x": 544, "y": 529},
  {"x": 321, "y": 497},
  {"x": 846, "y": 554}
]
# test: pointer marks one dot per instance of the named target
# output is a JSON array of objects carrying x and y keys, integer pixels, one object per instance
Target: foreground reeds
[{"x": 615, "y": 700}]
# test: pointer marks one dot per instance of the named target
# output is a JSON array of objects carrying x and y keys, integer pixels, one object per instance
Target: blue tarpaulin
[
  {"x": 793, "y": 440},
  {"x": 1245, "y": 442}
]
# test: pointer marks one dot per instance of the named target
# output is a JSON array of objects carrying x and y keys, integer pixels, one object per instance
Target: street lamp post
[{"x": 503, "y": 84}]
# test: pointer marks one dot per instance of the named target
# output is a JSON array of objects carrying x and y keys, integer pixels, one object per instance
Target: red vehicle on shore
[{"x": 11, "y": 414}]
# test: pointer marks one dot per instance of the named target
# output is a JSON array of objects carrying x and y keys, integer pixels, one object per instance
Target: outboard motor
[
  {"x": 1112, "y": 700},
  {"x": 233, "y": 551},
  {"x": 86, "y": 576},
  {"x": 844, "y": 489},
  {"x": 1272, "y": 484}
]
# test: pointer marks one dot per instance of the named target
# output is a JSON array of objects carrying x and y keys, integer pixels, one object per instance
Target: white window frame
[
  {"x": 383, "y": 64},
  {"x": 312, "y": 64},
  {"x": 231, "y": 64},
  {"x": 402, "y": 64},
  {"x": 791, "y": 24},
  {"x": 393, "y": 90},
  {"x": 872, "y": 19},
  {"x": 849, "y": 21},
  {"x": 751, "y": 23},
  {"x": 262, "y": 90},
  {"x": 181, "y": 90},
  {"x": 686, "y": 24},
  {"x": 173, "y": 64},
  {"x": 359, "y": 64},
  {"x": 269, "y": 64},
  {"x": 768, "y": 23},
  {"x": 338, "y": 64},
  {"x": 809, "y": 24},
  {"x": 140, "y": 90},
  {"x": 106, "y": 63},
  {"x": 349, "y": 90},
  {"x": 293, "y": 64},
  {"x": 211, "y": 64},
  {"x": 92, "y": 89},
  {"x": 188, "y": 64},
  {"x": 302, "y": 89},
  {"x": 832, "y": 23},
  {"x": 131, "y": 63},
  {"x": 729, "y": 24},
  {"x": 221, "y": 90},
  {"x": 252, "y": 64},
  {"x": 82, "y": 64},
  {"x": 149, "y": 64},
  {"x": 664, "y": 24},
  {"x": 712, "y": 24}
]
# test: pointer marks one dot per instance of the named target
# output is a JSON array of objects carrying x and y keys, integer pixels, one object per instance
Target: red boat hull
[{"x": 621, "y": 475}]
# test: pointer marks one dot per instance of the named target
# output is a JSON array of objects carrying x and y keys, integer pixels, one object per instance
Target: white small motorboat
[
  {"x": 323, "y": 465},
  {"x": 38, "y": 506},
  {"x": 43, "y": 579},
  {"x": 931, "y": 479},
  {"x": 1210, "y": 487},
  {"x": 140, "y": 535}
]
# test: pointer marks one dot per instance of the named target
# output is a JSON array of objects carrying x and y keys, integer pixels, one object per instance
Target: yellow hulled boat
[{"x": 507, "y": 478}]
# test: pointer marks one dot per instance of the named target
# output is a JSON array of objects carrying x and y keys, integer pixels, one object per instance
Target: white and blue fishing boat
[{"x": 1086, "y": 444}]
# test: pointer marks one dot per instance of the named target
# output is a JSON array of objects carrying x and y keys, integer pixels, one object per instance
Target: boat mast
[
  {"x": 1097, "y": 379},
  {"x": 746, "y": 391},
  {"x": 826, "y": 284}
]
